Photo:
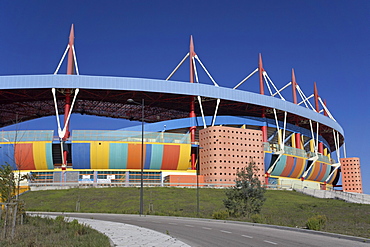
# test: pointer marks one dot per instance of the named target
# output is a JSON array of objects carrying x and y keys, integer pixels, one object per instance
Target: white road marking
[
  {"x": 246, "y": 236},
  {"x": 269, "y": 242},
  {"x": 207, "y": 228},
  {"x": 172, "y": 223},
  {"x": 224, "y": 231},
  {"x": 189, "y": 225}
]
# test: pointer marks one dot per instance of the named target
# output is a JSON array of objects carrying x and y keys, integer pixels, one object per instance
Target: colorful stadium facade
[{"x": 188, "y": 127}]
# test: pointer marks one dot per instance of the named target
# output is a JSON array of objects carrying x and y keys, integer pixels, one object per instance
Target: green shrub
[
  {"x": 316, "y": 222},
  {"x": 220, "y": 215},
  {"x": 257, "y": 218}
]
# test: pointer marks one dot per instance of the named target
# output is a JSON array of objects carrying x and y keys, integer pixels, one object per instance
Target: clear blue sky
[{"x": 324, "y": 41}]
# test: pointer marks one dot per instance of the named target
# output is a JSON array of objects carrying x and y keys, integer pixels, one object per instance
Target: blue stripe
[
  {"x": 267, "y": 159},
  {"x": 318, "y": 175},
  {"x": 81, "y": 155},
  {"x": 148, "y": 155},
  {"x": 293, "y": 168},
  {"x": 7, "y": 155}
]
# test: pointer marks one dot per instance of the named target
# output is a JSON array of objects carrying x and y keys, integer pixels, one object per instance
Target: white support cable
[
  {"x": 201, "y": 110},
  {"x": 70, "y": 111},
  {"x": 281, "y": 89},
  {"x": 58, "y": 123},
  {"x": 204, "y": 68},
  {"x": 285, "y": 116},
  {"x": 75, "y": 58},
  {"x": 195, "y": 71},
  {"x": 215, "y": 115},
  {"x": 317, "y": 136},
  {"x": 278, "y": 129},
  {"x": 276, "y": 161},
  {"x": 336, "y": 167},
  {"x": 313, "y": 159},
  {"x": 336, "y": 143},
  {"x": 61, "y": 60},
  {"x": 56, "y": 111},
  {"x": 177, "y": 67},
  {"x": 246, "y": 78},
  {"x": 305, "y": 100},
  {"x": 272, "y": 83},
  {"x": 287, "y": 138},
  {"x": 267, "y": 84},
  {"x": 327, "y": 110},
  {"x": 338, "y": 140},
  {"x": 304, "y": 97},
  {"x": 62, "y": 150},
  {"x": 313, "y": 137}
]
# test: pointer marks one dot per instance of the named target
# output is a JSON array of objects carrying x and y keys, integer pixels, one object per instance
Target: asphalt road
[{"x": 204, "y": 232}]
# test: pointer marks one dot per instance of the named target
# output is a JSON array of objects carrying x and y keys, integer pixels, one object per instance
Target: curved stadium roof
[{"x": 29, "y": 97}]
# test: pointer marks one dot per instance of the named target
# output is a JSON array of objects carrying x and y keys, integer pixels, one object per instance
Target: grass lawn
[
  {"x": 37, "y": 231},
  {"x": 286, "y": 208}
]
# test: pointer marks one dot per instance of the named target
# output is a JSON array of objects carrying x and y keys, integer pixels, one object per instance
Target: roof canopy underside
[{"x": 24, "y": 98}]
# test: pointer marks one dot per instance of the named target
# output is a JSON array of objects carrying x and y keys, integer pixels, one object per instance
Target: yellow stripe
[
  {"x": 39, "y": 155},
  {"x": 99, "y": 155},
  {"x": 184, "y": 160}
]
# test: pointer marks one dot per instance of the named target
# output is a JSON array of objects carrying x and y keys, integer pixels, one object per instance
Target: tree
[
  {"x": 247, "y": 196},
  {"x": 7, "y": 183}
]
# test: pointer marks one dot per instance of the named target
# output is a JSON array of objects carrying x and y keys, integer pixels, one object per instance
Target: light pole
[{"x": 142, "y": 155}]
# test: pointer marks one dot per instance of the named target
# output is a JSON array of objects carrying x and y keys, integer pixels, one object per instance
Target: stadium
[{"x": 186, "y": 133}]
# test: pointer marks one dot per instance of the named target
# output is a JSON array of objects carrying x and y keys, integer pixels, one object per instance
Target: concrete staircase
[{"x": 332, "y": 194}]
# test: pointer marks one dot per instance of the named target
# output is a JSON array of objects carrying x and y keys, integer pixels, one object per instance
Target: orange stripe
[
  {"x": 171, "y": 154},
  {"x": 316, "y": 170},
  {"x": 23, "y": 154},
  {"x": 298, "y": 167},
  {"x": 323, "y": 171},
  {"x": 288, "y": 166},
  {"x": 134, "y": 156}
]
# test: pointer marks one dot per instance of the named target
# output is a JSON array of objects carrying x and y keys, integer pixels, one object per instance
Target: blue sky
[{"x": 324, "y": 41}]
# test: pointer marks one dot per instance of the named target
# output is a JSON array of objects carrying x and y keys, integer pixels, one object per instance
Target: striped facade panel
[
  {"x": 267, "y": 160},
  {"x": 99, "y": 155},
  {"x": 156, "y": 156},
  {"x": 171, "y": 154},
  {"x": 289, "y": 166},
  {"x": 27, "y": 156},
  {"x": 42, "y": 156},
  {"x": 107, "y": 155},
  {"x": 299, "y": 168},
  {"x": 81, "y": 155},
  {"x": 332, "y": 177},
  {"x": 148, "y": 155},
  {"x": 134, "y": 156},
  {"x": 184, "y": 160},
  {"x": 280, "y": 165},
  {"x": 118, "y": 154},
  {"x": 314, "y": 173},
  {"x": 23, "y": 155},
  {"x": 7, "y": 155}
]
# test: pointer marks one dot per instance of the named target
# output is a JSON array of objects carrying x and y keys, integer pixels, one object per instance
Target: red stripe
[
  {"x": 171, "y": 154},
  {"x": 23, "y": 155}
]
